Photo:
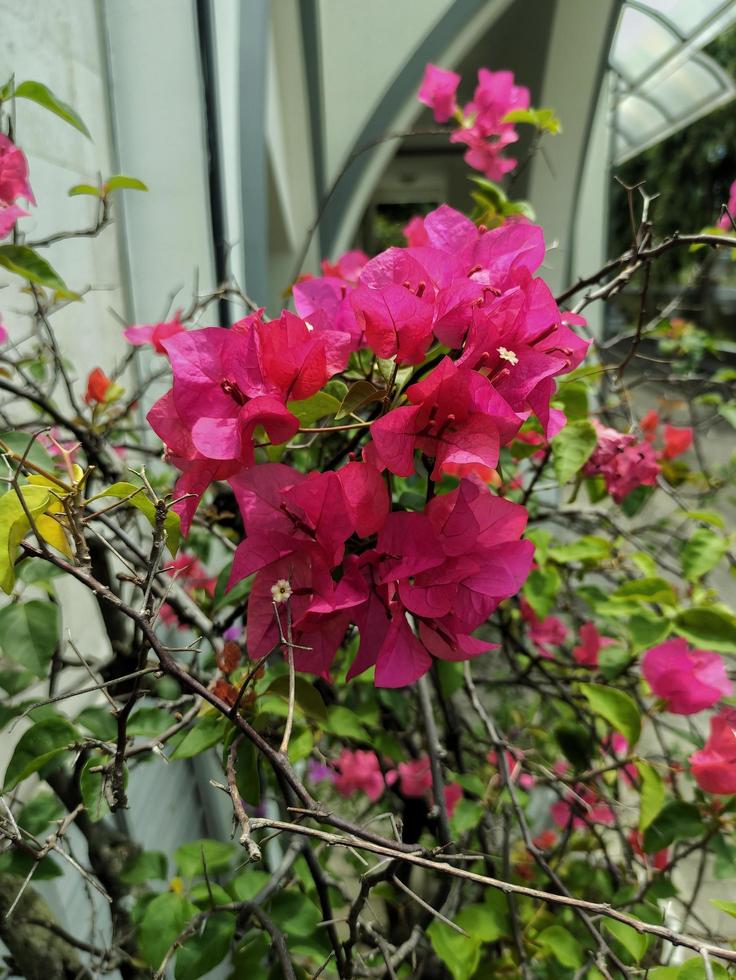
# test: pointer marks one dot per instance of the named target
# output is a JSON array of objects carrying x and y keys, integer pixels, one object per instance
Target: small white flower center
[
  {"x": 508, "y": 355},
  {"x": 281, "y": 590}
]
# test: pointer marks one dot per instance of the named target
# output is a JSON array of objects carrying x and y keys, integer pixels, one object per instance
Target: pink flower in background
[
  {"x": 3, "y": 332},
  {"x": 453, "y": 795},
  {"x": 318, "y": 772},
  {"x": 359, "y": 771},
  {"x": 677, "y": 440},
  {"x": 14, "y": 184},
  {"x": 415, "y": 232},
  {"x": 688, "y": 680},
  {"x": 624, "y": 463},
  {"x": 347, "y": 267},
  {"x": 591, "y": 644},
  {"x": 154, "y": 334},
  {"x": 414, "y": 777},
  {"x": 438, "y": 90},
  {"x": 98, "y": 385},
  {"x": 724, "y": 221},
  {"x": 714, "y": 766},
  {"x": 581, "y": 807},
  {"x": 544, "y": 633}
]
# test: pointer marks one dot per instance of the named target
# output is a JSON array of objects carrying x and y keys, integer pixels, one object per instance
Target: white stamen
[
  {"x": 508, "y": 355},
  {"x": 281, "y": 591}
]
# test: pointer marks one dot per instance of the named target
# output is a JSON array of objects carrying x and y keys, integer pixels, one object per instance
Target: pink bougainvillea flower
[
  {"x": 455, "y": 418},
  {"x": 98, "y": 385},
  {"x": 453, "y": 795},
  {"x": 580, "y": 808},
  {"x": 414, "y": 777},
  {"x": 154, "y": 333},
  {"x": 3, "y": 332},
  {"x": 724, "y": 221},
  {"x": 591, "y": 644},
  {"x": 714, "y": 766},
  {"x": 222, "y": 393},
  {"x": 438, "y": 90},
  {"x": 624, "y": 463},
  {"x": 677, "y": 440},
  {"x": 415, "y": 232},
  {"x": 688, "y": 680},
  {"x": 649, "y": 423},
  {"x": 359, "y": 771},
  {"x": 484, "y": 130},
  {"x": 347, "y": 267},
  {"x": 544, "y": 633},
  {"x": 190, "y": 573},
  {"x": 448, "y": 568},
  {"x": 14, "y": 184}
]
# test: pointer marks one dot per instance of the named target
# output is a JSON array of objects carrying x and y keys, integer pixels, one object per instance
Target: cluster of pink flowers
[
  {"x": 689, "y": 681},
  {"x": 626, "y": 462},
  {"x": 544, "y": 633},
  {"x": 415, "y": 584},
  {"x": 360, "y": 771},
  {"x": 14, "y": 185},
  {"x": 482, "y": 122}
]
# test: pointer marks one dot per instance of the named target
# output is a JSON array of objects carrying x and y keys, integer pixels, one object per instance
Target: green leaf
[
  {"x": 84, "y": 189},
  {"x": 572, "y": 448},
  {"x": 22, "y": 445},
  {"x": 39, "y": 812},
  {"x": 563, "y": 945},
  {"x": 163, "y": 920},
  {"x": 144, "y": 867},
  {"x": 574, "y": 740},
  {"x": 247, "y": 885},
  {"x": 92, "y": 788},
  {"x": 468, "y": 814},
  {"x": 541, "y": 590},
  {"x": 42, "y": 743},
  {"x": 487, "y": 921},
  {"x": 306, "y": 696},
  {"x": 707, "y": 628},
  {"x": 136, "y": 497},
  {"x": 120, "y": 182},
  {"x": 701, "y": 553},
  {"x": 295, "y": 913},
  {"x": 99, "y": 721},
  {"x": 149, "y": 722},
  {"x": 617, "y": 707},
  {"x": 26, "y": 262},
  {"x": 43, "y": 96},
  {"x": 728, "y": 907},
  {"x": 194, "y": 858},
  {"x": 345, "y": 724},
  {"x": 309, "y": 410},
  {"x": 694, "y": 969},
  {"x": 651, "y": 799},
  {"x": 728, "y": 411},
  {"x": 707, "y": 517},
  {"x": 572, "y": 398},
  {"x": 460, "y": 954},
  {"x": 359, "y": 395},
  {"x": 646, "y": 630},
  {"x": 29, "y": 633},
  {"x": 646, "y": 590},
  {"x": 206, "y": 732},
  {"x": 677, "y": 821},
  {"x": 204, "y": 951},
  {"x": 588, "y": 548},
  {"x": 635, "y": 943},
  {"x": 246, "y": 773},
  {"x": 544, "y": 119}
]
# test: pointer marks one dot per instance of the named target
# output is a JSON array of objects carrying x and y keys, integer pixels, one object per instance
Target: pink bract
[
  {"x": 438, "y": 90},
  {"x": 688, "y": 680},
  {"x": 359, "y": 771},
  {"x": 714, "y": 766}
]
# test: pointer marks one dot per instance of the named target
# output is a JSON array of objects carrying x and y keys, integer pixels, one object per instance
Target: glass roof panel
[
  {"x": 686, "y": 15},
  {"x": 641, "y": 42},
  {"x": 639, "y": 120},
  {"x": 684, "y": 89}
]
